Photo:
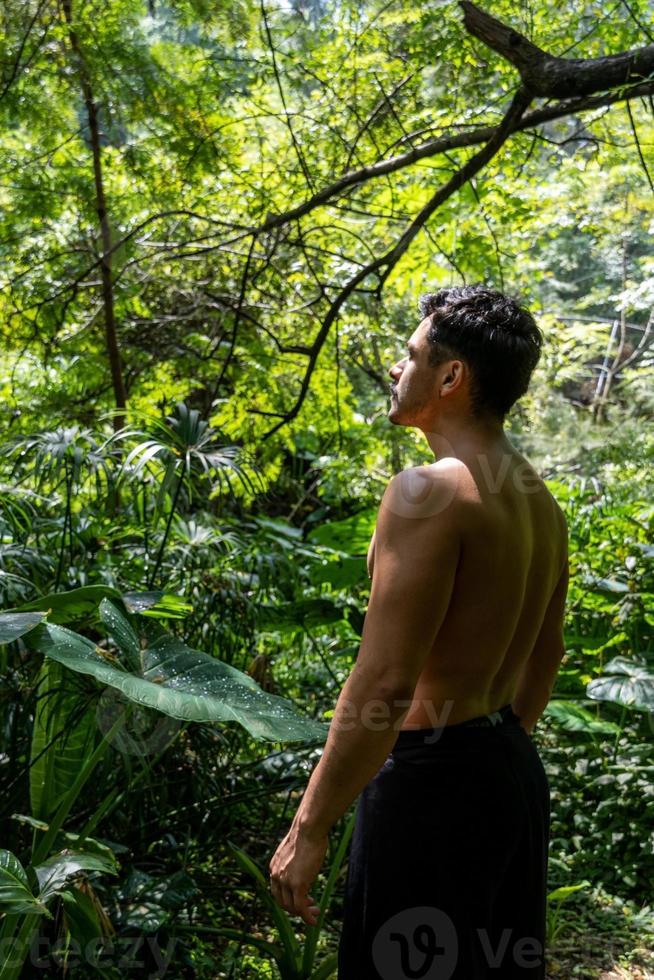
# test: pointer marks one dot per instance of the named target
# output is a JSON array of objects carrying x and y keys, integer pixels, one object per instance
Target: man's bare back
[{"x": 513, "y": 549}]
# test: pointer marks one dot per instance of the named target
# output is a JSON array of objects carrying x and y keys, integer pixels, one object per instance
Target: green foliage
[
  {"x": 62, "y": 737},
  {"x": 294, "y": 962},
  {"x": 554, "y": 901},
  {"x": 628, "y": 683}
]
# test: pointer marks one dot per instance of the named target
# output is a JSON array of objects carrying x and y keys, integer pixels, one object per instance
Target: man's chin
[{"x": 395, "y": 415}]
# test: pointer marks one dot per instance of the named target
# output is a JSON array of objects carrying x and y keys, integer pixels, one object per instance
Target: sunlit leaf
[
  {"x": 13, "y": 625},
  {"x": 74, "y": 606},
  {"x": 54, "y": 873},
  {"x": 15, "y": 893},
  {"x": 626, "y": 682},
  {"x": 185, "y": 684},
  {"x": 573, "y": 718}
]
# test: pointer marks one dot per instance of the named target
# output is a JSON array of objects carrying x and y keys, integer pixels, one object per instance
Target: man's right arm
[{"x": 539, "y": 673}]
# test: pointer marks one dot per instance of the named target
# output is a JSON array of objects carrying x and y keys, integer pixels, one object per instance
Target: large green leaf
[
  {"x": 62, "y": 737},
  {"x": 304, "y": 613},
  {"x": 185, "y": 684},
  {"x": 80, "y": 605},
  {"x": 279, "y": 529},
  {"x": 71, "y": 607},
  {"x": 15, "y": 891},
  {"x": 139, "y": 601},
  {"x": 82, "y": 921},
  {"x": 54, "y": 874},
  {"x": 626, "y": 682},
  {"x": 74, "y": 842},
  {"x": 560, "y": 894},
  {"x": 148, "y": 903},
  {"x": 122, "y": 632},
  {"x": 13, "y": 625},
  {"x": 162, "y": 605},
  {"x": 573, "y": 718}
]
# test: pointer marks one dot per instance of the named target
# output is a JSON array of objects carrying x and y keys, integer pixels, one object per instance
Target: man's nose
[{"x": 396, "y": 371}]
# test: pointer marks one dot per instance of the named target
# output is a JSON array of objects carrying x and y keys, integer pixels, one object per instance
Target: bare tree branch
[
  {"x": 388, "y": 261},
  {"x": 451, "y": 142},
  {"x": 296, "y": 145},
  {"x": 638, "y": 147},
  {"x": 550, "y": 77}
]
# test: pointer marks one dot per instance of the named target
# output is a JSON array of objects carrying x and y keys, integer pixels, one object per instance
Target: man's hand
[{"x": 293, "y": 869}]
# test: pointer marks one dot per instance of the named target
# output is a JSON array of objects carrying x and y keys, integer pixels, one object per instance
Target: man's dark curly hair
[{"x": 497, "y": 337}]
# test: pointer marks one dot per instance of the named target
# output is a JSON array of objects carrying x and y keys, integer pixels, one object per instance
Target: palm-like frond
[
  {"x": 67, "y": 453},
  {"x": 184, "y": 451},
  {"x": 194, "y": 535},
  {"x": 188, "y": 449},
  {"x": 18, "y": 508},
  {"x": 24, "y": 560}
]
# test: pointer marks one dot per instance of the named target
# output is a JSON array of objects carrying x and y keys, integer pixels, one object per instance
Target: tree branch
[
  {"x": 444, "y": 143},
  {"x": 576, "y": 81},
  {"x": 550, "y": 77},
  {"x": 388, "y": 261}
]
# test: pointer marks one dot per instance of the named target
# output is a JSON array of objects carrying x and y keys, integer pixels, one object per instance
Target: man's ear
[{"x": 450, "y": 375}]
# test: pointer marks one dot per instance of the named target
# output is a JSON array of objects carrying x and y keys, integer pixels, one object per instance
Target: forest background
[{"x": 216, "y": 222}]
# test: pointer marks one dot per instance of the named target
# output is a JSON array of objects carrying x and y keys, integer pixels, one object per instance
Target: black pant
[{"x": 448, "y": 860}]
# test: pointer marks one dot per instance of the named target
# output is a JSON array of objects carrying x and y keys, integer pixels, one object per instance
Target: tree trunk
[{"x": 120, "y": 393}]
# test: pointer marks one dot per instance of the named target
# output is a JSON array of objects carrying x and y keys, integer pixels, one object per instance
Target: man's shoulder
[
  {"x": 559, "y": 513},
  {"x": 424, "y": 491}
]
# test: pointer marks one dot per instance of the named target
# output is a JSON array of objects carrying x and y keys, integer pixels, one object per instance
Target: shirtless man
[{"x": 462, "y": 640}]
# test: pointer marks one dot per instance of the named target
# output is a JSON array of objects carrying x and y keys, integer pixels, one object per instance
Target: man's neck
[{"x": 467, "y": 439}]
